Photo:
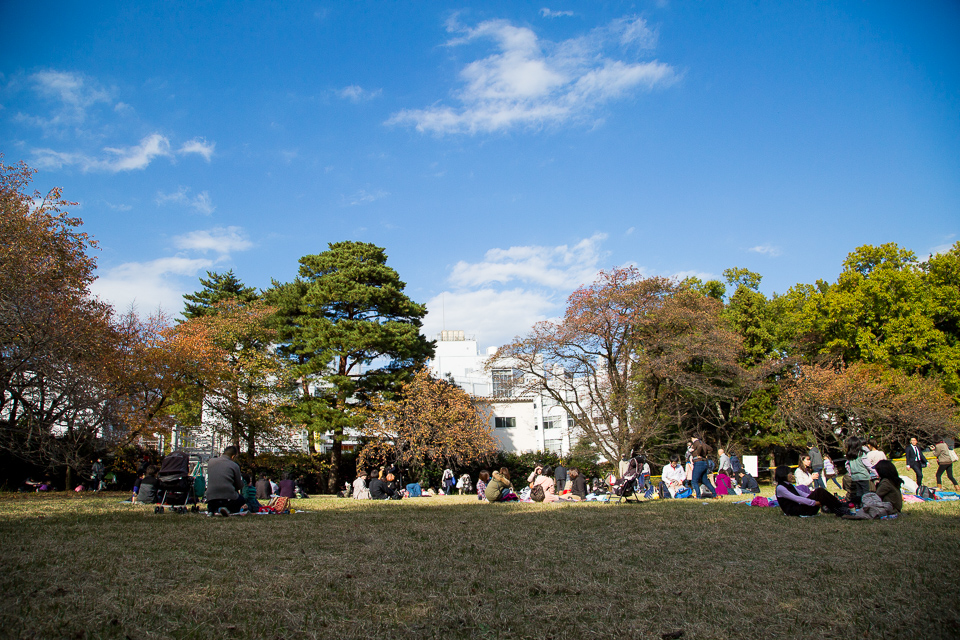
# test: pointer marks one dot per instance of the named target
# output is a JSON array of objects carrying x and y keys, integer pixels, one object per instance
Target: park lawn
[{"x": 450, "y": 567}]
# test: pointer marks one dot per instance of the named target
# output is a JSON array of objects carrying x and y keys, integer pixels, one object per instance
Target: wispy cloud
[
  {"x": 562, "y": 267},
  {"x": 533, "y": 82},
  {"x": 201, "y": 202},
  {"x": 364, "y": 197},
  {"x": 116, "y": 159},
  {"x": 148, "y": 285},
  {"x": 71, "y": 96},
  {"x": 356, "y": 93},
  {"x": 494, "y": 317},
  {"x": 198, "y": 146},
  {"x": 766, "y": 250},
  {"x": 547, "y": 13},
  {"x": 222, "y": 240}
]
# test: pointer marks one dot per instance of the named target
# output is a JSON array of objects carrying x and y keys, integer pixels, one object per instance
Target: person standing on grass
[
  {"x": 830, "y": 472},
  {"x": 794, "y": 501},
  {"x": 916, "y": 460},
  {"x": 701, "y": 453},
  {"x": 224, "y": 484},
  {"x": 816, "y": 463},
  {"x": 97, "y": 472},
  {"x": 944, "y": 463},
  {"x": 723, "y": 462},
  {"x": 560, "y": 477}
]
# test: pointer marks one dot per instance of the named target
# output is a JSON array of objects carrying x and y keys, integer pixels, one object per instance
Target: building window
[
  {"x": 504, "y": 423},
  {"x": 551, "y": 423},
  {"x": 503, "y": 381}
]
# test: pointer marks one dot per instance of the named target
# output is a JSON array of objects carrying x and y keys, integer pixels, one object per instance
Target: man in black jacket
[
  {"x": 380, "y": 489},
  {"x": 916, "y": 460}
]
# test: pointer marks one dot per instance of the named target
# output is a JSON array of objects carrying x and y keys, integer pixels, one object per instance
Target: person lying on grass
[
  {"x": 795, "y": 501},
  {"x": 500, "y": 489}
]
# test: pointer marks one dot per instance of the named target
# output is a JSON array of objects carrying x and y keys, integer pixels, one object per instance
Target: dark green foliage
[{"x": 216, "y": 288}]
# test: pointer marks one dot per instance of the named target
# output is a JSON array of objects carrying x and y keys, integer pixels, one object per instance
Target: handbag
[
  {"x": 953, "y": 455},
  {"x": 536, "y": 494}
]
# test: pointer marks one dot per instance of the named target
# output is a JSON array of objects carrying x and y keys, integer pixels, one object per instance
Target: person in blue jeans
[{"x": 701, "y": 453}]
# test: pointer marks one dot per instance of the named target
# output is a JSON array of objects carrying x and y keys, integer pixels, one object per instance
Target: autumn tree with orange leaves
[
  {"x": 637, "y": 362},
  {"x": 243, "y": 384},
  {"x": 835, "y": 401},
  {"x": 432, "y": 423}
]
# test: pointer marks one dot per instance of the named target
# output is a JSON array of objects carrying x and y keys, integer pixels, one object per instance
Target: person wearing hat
[{"x": 359, "y": 484}]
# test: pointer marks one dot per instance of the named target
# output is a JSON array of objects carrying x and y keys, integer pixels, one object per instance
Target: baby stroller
[
  {"x": 178, "y": 489},
  {"x": 626, "y": 487}
]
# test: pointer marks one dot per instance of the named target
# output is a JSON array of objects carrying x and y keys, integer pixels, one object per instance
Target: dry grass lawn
[{"x": 90, "y": 567}]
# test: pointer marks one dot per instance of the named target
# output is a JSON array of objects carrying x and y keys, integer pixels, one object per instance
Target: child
[
  {"x": 250, "y": 495},
  {"x": 482, "y": 485}
]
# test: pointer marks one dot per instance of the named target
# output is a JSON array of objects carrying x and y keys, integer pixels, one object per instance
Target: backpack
[
  {"x": 926, "y": 493},
  {"x": 536, "y": 494}
]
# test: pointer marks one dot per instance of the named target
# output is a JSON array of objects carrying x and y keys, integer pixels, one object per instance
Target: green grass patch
[{"x": 89, "y": 567}]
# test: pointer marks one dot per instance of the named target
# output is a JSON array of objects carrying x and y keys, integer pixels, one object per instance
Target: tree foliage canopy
[{"x": 431, "y": 422}]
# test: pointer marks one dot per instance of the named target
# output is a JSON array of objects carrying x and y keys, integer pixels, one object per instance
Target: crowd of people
[{"x": 867, "y": 482}]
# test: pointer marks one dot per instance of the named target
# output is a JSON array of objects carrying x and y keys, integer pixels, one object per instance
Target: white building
[{"x": 521, "y": 422}]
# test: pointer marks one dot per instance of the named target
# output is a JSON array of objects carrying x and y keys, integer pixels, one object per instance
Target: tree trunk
[
  {"x": 68, "y": 478},
  {"x": 334, "y": 481}
]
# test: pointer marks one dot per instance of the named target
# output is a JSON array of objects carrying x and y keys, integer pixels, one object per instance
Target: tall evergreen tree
[
  {"x": 216, "y": 288},
  {"x": 351, "y": 333}
]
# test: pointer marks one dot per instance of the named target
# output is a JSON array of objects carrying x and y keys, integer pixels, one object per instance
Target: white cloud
[
  {"x": 364, "y": 197},
  {"x": 201, "y": 202},
  {"x": 356, "y": 93},
  {"x": 547, "y": 13},
  {"x": 766, "y": 250},
  {"x": 198, "y": 146},
  {"x": 72, "y": 93},
  {"x": 222, "y": 240},
  {"x": 531, "y": 82},
  {"x": 562, "y": 267},
  {"x": 494, "y": 317},
  {"x": 117, "y": 159},
  {"x": 148, "y": 285}
]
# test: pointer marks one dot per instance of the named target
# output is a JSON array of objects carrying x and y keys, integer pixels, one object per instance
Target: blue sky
[{"x": 502, "y": 153}]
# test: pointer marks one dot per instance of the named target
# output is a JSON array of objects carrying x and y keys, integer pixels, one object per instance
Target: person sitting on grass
[
  {"x": 804, "y": 474},
  {"x": 500, "y": 489},
  {"x": 579, "y": 489},
  {"x": 224, "y": 483},
  {"x": 250, "y": 495},
  {"x": 287, "y": 487},
  {"x": 546, "y": 482},
  {"x": 264, "y": 492},
  {"x": 857, "y": 480},
  {"x": 724, "y": 484},
  {"x": 392, "y": 488},
  {"x": 145, "y": 489},
  {"x": 672, "y": 477},
  {"x": 482, "y": 480},
  {"x": 378, "y": 488},
  {"x": 888, "y": 488},
  {"x": 748, "y": 484},
  {"x": 359, "y": 484},
  {"x": 795, "y": 502}
]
